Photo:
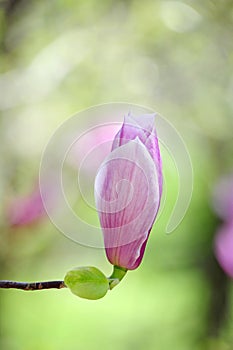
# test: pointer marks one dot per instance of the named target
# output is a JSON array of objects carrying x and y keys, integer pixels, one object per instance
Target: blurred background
[{"x": 59, "y": 57}]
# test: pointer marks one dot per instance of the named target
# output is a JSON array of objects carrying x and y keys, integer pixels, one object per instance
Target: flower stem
[
  {"x": 116, "y": 276},
  {"x": 33, "y": 285}
]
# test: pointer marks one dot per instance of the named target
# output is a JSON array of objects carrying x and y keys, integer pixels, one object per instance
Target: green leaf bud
[{"x": 87, "y": 282}]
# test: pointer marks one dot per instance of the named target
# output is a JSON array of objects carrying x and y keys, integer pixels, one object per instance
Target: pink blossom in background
[
  {"x": 128, "y": 189},
  {"x": 26, "y": 210},
  {"x": 223, "y": 247},
  {"x": 88, "y": 152},
  {"x": 92, "y": 147},
  {"x": 223, "y": 205}
]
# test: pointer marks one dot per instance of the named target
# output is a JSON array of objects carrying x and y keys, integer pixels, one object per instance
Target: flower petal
[
  {"x": 143, "y": 128},
  {"x": 127, "y": 198}
]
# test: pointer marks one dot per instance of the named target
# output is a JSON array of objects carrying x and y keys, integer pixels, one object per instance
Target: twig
[{"x": 33, "y": 285}]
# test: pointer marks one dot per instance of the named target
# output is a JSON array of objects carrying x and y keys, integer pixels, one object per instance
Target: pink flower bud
[{"x": 128, "y": 190}]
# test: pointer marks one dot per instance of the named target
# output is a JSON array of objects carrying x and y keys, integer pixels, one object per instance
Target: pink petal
[
  {"x": 127, "y": 199},
  {"x": 143, "y": 128}
]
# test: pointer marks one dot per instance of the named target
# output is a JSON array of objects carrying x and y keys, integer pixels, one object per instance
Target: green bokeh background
[{"x": 59, "y": 57}]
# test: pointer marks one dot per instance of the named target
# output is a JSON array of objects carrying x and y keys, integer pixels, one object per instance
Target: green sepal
[
  {"x": 116, "y": 276},
  {"x": 87, "y": 282}
]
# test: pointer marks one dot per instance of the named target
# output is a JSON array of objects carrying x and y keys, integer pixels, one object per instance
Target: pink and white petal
[
  {"x": 127, "y": 199},
  {"x": 143, "y": 128},
  {"x": 145, "y": 122},
  {"x": 152, "y": 145},
  {"x": 133, "y": 127},
  {"x": 129, "y": 255}
]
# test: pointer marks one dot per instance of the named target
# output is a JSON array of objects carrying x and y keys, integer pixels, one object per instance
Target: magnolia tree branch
[{"x": 33, "y": 285}]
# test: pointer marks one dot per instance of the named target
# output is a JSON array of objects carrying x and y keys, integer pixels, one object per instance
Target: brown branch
[{"x": 33, "y": 285}]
